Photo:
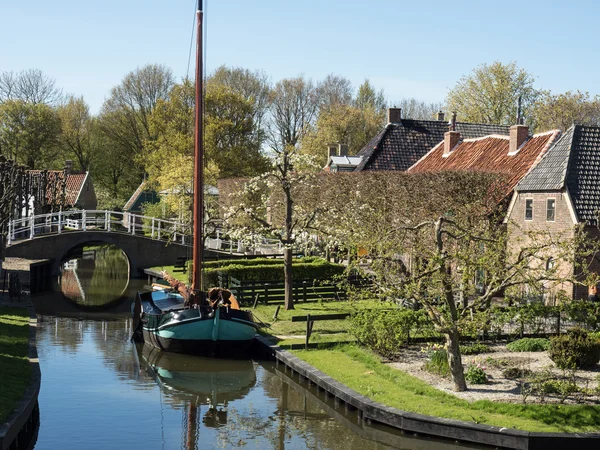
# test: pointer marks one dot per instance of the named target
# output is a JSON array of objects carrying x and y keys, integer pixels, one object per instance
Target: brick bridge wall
[{"x": 141, "y": 252}]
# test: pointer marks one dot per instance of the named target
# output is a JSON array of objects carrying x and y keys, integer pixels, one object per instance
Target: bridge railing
[
  {"x": 134, "y": 224},
  {"x": 94, "y": 220}
]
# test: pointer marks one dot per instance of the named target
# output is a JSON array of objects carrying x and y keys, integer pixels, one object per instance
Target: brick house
[{"x": 563, "y": 190}]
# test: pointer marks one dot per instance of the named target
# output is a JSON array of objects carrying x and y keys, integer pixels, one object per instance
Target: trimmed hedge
[
  {"x": 317, "y": 270},
  {"x": 259, "y": 261}
]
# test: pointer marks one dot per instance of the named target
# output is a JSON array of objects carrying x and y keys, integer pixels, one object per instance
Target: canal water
[{"x": 101, "y": 391}]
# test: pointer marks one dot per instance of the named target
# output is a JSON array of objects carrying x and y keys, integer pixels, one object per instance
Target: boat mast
[{"x": 198, "y": 160}]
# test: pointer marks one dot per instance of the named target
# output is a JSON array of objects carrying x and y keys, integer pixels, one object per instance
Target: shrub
[
  {"x": 475, "y": 374},
  {"x": 385, "y": 331},
  {"x": 437, "y": 360},
  {"x": 529, "y": 345},
  {"x": 474, "y": 349},
  {"x": 273, "y": 272},
  {"x": 574, "y": 350},
  {"x": 514, "y": 373}
]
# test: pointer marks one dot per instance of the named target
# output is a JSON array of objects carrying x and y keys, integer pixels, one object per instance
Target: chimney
[
  {"x": 440, "y": 116},
  {"x": 343, "y": 149},
  {"x": 68, "y": 166},
  {"x": 331, "y": 151},
  {"x": 517, "y": 135},
  {"x": 451, "y": 138},
  {"x": 394, "y": 115}
]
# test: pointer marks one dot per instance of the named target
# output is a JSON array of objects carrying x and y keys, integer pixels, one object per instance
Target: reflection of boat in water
[{"x": 196, "y": 382}]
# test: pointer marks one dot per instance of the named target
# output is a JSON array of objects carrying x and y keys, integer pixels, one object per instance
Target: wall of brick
[{"x": 563, "y": 224}]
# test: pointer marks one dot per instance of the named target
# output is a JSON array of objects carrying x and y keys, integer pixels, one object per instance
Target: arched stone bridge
[{"x": 146, "y": 241}]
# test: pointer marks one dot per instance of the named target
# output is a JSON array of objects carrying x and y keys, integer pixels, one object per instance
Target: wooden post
[
  {"x": 255, "y": 301},
  {"x": 304, "y": 290},
  {"x": 266, "y": 293},
  {"x": 308, "y": 330},
  {"x": 84, "y": 219},
  {"x": 276, "y": 312}
]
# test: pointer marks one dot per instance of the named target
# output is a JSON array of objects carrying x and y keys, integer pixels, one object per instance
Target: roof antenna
[
  {"x": 519, "y": 116},
  {"x": 452, "y": 123}
]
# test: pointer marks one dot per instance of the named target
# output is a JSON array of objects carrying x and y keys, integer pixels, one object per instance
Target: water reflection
[{"x": 94, "y": 275}]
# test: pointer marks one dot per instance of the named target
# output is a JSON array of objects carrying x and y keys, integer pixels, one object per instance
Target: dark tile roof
[
  {"x": 549, "y": 174},
  {"x": 573, "y": 162},
  {"x": 489, "y": 154},
  {"x": 400, "y": 145}
]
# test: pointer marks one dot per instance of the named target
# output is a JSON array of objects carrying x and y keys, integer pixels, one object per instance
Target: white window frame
[{"x": 548, "y": 200}]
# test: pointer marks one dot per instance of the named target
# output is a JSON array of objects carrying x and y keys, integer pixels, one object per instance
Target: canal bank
[
  {"x": 20, "y": 430},
  {"x": 373, "y": 412}
]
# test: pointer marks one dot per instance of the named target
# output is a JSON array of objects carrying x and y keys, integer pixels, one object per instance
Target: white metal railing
[
  {"x": 134, "y": 224},
  {"x": 92, "y": 220}
]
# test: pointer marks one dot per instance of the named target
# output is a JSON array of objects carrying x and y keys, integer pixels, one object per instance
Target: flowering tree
[
  {"x": 438, "y": 241},
  {"x": 280, "y": 203}
]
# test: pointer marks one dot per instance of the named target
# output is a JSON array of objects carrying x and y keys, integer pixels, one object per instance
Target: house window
[
  {"x": 550, "y": 207},
  {"x": 529, "y": 209}
]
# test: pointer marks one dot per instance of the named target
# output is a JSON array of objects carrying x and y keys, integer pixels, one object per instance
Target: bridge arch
[{"x": 141, "y": 251}]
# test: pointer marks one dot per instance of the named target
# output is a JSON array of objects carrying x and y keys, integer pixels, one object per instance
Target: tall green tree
[
  {"x": 562, "y": 110},
  {"x": 368, "y": 97},
  {"x": 78, "y": 132},
  {"x": 29, "y": 133},
  {"x": 489, "y": 94},
  {"x": 345, "y": 124},
  {"x": 126, "y": 113}
]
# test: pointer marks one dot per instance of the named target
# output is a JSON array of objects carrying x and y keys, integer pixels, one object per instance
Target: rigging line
[{"x": 191, "y": 41}]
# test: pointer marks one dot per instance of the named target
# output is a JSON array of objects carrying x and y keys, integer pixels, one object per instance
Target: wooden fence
[{"x": 274, "y": 292}]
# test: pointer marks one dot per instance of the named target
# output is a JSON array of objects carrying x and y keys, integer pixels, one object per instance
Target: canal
[{"x": 101, "y": 391}]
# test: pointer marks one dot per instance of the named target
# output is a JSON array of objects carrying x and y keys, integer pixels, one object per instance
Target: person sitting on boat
[{"x": 222, "y": 297}]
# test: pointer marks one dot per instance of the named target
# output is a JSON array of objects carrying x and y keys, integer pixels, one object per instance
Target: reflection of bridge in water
[{"x": 147, "y": 241}]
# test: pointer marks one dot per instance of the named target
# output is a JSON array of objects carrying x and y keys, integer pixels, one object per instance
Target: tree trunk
[
  {"x": 455, "y": 361},
  {"x": 287, "y": 270}
]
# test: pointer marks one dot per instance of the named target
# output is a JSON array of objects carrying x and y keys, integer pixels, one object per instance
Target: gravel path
[{"x": 498, "y": 388}]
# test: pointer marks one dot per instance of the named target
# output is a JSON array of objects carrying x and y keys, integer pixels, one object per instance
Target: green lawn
[
  {"x": 362, "y": 371},
  {"x": 15, "y": 370},
  {"x": 323, "y": 331}
]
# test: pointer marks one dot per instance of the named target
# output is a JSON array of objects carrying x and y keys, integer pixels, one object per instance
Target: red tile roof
[
  {"x": 488, "y": 154},
  {"x": 75, "y": 182}
]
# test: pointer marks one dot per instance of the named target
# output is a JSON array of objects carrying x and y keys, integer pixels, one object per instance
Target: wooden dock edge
[{"x": 455, "y": 430}]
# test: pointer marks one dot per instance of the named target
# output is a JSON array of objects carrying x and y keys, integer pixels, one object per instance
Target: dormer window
[
  {"x": 550, "y": 209},
  {"x": 529, "y": 209}
]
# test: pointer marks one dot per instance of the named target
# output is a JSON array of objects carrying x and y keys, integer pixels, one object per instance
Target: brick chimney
[
  {"x": 440, "y": 116},
  {"x": 394, "y": 115},
  {"x": 68, "y": 166},
  {"x": 331, "y": 151},
  {"x": 517, "y": 135},
  {"x": 451, "y": 138},
  {"x": 343, "y": 149}
]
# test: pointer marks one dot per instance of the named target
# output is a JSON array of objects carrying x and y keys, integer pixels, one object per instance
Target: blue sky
[{"x": 409, "y": 49}]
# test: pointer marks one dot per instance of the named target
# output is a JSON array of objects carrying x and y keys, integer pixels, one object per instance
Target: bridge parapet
[{"x": 93, "y": 220}]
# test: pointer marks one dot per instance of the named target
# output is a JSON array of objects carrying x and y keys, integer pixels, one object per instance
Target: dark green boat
[{"x": 167, "y": 324}]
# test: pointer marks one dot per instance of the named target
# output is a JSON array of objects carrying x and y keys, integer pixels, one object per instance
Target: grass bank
[
  {"x": 15, "y": 369},
  {"x": 363, "y": 371}
]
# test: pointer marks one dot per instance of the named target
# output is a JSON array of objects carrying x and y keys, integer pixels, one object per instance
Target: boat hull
[{"x": 223, "y": 332}]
